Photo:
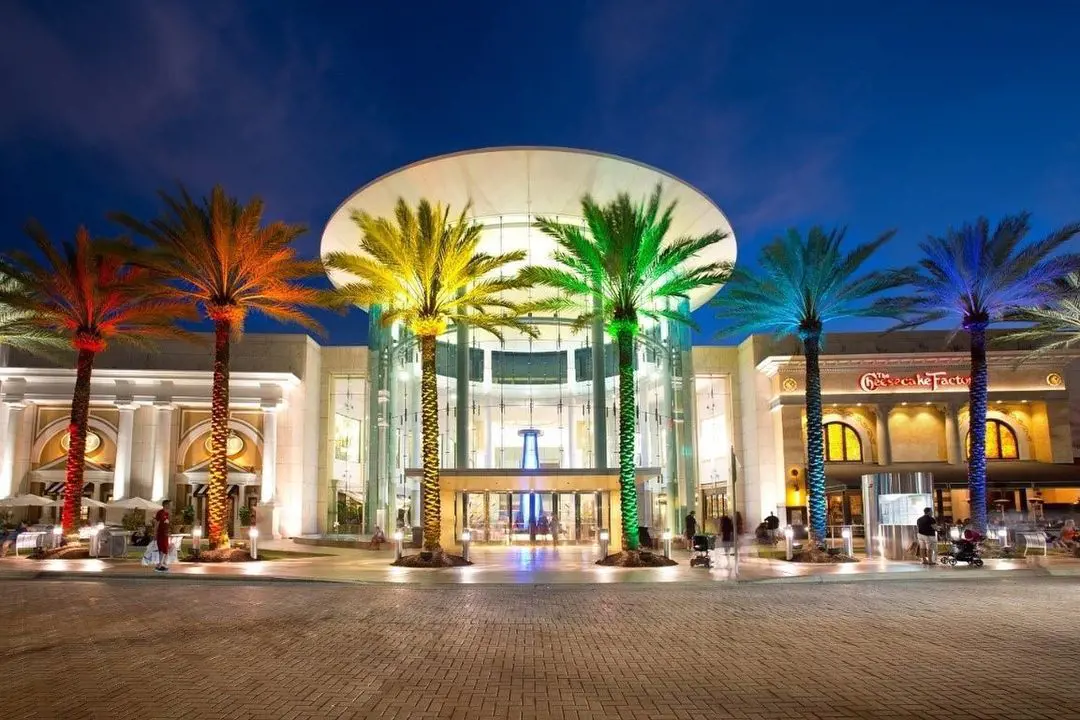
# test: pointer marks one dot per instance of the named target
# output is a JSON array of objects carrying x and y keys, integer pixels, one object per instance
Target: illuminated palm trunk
[
  {"x": 429, "y": 427},
  {"x": 627, "y": 474},
  {"x": 219, "y": 436},
  {"x": 815, "y": 440},
  {"x": 76, "y": 457},
  {"x": 977, "y": 426}
]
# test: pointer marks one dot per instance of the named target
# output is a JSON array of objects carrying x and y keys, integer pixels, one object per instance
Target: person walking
[
  {"x": 727, "y": 537},
  {"x": 690, "y": 530},
  {"x": 161, "y": 536},
  {"x": 927, "y": 528}
]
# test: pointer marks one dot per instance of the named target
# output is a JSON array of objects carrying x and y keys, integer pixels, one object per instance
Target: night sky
[{"x": 914, "y": 115}]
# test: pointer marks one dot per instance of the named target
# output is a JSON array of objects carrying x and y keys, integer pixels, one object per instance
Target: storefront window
[
  {"x": 1000, "y": 442},
  {"x": 842, "y": 443}
]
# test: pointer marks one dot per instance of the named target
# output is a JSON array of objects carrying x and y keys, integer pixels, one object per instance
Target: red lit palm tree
[
  {"x": 218, "y": 255},
  {"x": 88, "y": 293}
]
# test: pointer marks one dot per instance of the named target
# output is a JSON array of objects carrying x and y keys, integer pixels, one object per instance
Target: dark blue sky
[{"x": 916, "y": 115}]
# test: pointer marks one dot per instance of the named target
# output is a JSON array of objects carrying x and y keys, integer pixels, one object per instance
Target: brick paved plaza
[{"x": 131, "y": 649}]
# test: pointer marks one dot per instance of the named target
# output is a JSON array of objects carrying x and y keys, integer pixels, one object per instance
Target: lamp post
[
  {"x": 789, "y": 542},
  {"x": 58, "y": 534},
  {"x": 667, "y": 543},
  {"x": 605, "y": 538},
  {"x": 845, "y": 533},
  {"x": 253, "y": 533},
  {"x": 466, "y": 541},
  {"x": 196, "y": 540},
  {"x": 399, "y": 536}
]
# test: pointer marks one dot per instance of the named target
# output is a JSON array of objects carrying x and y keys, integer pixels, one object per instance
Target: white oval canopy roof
[{"x": 509, "y": 187}]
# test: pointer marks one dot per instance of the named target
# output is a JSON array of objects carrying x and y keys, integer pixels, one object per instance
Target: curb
[{"x": 908, "y": 576}]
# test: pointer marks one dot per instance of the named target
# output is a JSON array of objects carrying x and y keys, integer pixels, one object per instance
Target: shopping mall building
[{"x": 326, "y": 439}]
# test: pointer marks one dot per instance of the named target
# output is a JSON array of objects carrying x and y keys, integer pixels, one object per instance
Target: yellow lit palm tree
[
  {"x": 423, "y": 269},
  {"x": 218, "y": 255},
  {"x": 87, "y": 293}
]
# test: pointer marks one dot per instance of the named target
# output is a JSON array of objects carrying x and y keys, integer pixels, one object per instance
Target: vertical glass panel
[
  {"x": 993, "y": 447},
  {"x": 1009, "y": 451},
  {"x": 834, "y": 442},
  {"x": 853, "y": 448}
]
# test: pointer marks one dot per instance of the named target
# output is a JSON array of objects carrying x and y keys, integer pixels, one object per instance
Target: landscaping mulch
[
  {"x": 815, "y": 554},
  {"x": 67, "y": 552},
  {"x": 432, "y": 560},
  {"x": 636, "y": 559},
  {"x": 221, "y": 555}
]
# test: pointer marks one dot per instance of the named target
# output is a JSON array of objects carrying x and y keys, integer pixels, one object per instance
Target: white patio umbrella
[
  {"x": 28, "y": 500},
  {"x": 134, "y": 503},
  {"x": 86, "y": 503}
]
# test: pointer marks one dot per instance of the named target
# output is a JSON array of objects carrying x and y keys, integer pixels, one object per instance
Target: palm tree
[
  {"x": 425, "y": 272},
  {"x": 1056, "y": 323},
  {"x": 798, "y": 286},
  {"x": 217, "y": 255},
  {"x": 623, "y": 259},
  {"x": 978, "y": 277},
  {"x": 88, "y": 294},
  {"x": 19, "y": 330}
]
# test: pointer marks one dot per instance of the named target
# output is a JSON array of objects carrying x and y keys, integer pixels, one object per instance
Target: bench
[
  {"x": 30, "y": 541},
  {"x": 1031, "y": 541}
]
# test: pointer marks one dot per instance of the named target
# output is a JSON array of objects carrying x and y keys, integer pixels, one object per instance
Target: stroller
[
  {"x": 966, "y": 550},
  {"x": 699, "y": 550}
]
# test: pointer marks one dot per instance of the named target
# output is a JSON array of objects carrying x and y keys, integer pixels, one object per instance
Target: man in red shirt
[{"x": 161, "y": 535}]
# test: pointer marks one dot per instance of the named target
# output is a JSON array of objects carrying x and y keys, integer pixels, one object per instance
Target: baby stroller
[
  {"x": 699, "y": 551},
  {"x": 966, "y": 550}
]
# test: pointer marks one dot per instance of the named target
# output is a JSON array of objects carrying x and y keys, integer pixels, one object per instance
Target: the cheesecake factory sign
[{"x": 932, "y": 381}]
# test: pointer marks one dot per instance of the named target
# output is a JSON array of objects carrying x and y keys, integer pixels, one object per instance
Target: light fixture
[
  {"x": 233, "y": 446},
  {"x": 93, "y": 442}
]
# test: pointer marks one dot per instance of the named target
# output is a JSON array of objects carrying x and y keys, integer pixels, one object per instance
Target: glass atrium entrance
[{"x": 522, "y": 518}]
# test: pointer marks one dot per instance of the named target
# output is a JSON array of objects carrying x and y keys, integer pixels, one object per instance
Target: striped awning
[
  {"x": 201, "y": 490},
  {"x": 57, "y": 488}
]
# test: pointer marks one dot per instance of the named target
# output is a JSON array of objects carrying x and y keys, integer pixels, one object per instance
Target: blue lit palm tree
[
  {"x": 797, "y": 287},
  {"x": 980, "y": 276}
]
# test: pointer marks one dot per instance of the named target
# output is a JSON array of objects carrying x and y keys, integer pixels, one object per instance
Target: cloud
[
  {"x": 667, "y": 79},
  {"x": 195, "y": 92}
]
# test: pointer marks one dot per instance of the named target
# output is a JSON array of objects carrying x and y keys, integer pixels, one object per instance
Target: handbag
[{"x": 151, "y": 556}]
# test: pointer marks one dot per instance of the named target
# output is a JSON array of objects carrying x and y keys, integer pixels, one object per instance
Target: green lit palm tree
[
  {"x": 624, "y": 258},
  {"x": 798, "y": 286},
  {"x": 87, "y": 293},
  {"x": 423, "y": 269},
  {"x": 217, "y": 255},
  {"x": 979, "y": 276}
]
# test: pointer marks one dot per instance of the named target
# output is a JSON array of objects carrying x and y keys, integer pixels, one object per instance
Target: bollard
[
  {"x": 466, "y": 541},
  {"x": 605, "y": 538},
  {"x": 253, "y": 534},
  {"x": 399, "y": 537},
  {"x": 57, "y": 533},
  {"x": 1003, "y": 537},
  {"x": 845, "y": 533},
  {"x": 196, "y": 540},
  {"x": 95, "y": 540},
  {"x": 954, "y": 532},
  {"x": 667, "y": 543},
  {"x": 789, "y": 542}
]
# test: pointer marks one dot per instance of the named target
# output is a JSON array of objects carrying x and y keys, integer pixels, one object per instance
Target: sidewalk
[{"x": 513, "y": 566}]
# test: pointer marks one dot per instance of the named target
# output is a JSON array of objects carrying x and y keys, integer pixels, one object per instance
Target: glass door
[
  {"x": 498, "y": 517},
  {"x": 588, "y": 516},
  {"x": 566, "y": 517}
]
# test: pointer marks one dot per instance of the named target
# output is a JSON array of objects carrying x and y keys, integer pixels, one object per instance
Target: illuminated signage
[{"x": 932, "y": 381}]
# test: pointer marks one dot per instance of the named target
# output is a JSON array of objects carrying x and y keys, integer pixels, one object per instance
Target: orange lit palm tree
[
  {"x": 218, "y": 255},
  {"x": 86, "y": 292},
  {"x": 423, "y": 269}
]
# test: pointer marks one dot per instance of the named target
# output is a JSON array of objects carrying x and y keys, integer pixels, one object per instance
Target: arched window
[
  {"x": 1000, "y": 442},
  {"x": 841, "y": 443}
]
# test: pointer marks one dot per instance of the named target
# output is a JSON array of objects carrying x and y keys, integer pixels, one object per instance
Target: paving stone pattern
[{"x": 145, "y": 649}]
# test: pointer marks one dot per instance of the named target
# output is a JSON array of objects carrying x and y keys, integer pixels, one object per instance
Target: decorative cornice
[{"x": 852, "y": 363}]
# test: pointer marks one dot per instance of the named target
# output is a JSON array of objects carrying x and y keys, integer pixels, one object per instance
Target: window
[
  {"x": 842, "y": 443},
  {"x": 1000, "y": 442}
]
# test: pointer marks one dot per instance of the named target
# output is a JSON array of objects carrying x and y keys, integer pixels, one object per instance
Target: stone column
[
  {"x": 954, "y": 450},
  {"x": 162, "y": 471},
  {"x": 13, "y": 415},
  {"x": 884, "y": 441},
  {"x": 267, "y": 513},
  {"x": 122, "y": 468}
]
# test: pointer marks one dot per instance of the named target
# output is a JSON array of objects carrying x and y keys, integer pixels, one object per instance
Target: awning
[
  {"x": 1000, "y": 474},
  {"x": 57, "y": 488},
  {"x": 201, "y": 490}
]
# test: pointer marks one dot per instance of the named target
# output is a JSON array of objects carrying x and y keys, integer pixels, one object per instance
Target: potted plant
[{"x": 245, "y": 516}]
